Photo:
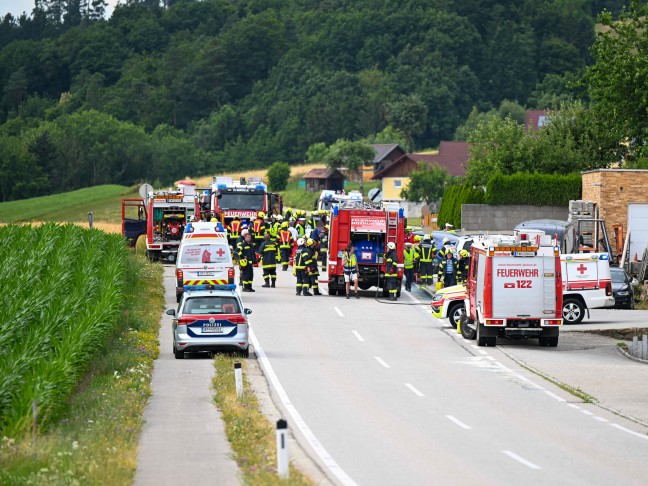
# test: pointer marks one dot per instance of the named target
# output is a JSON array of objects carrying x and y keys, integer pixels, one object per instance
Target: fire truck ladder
[{"x": 392, "y": 226}]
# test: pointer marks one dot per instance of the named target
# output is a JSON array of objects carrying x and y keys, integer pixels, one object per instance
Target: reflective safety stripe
[{"x": 201, "y": 282}]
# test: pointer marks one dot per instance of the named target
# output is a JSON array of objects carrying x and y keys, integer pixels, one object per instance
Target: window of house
[{"x": 398, "y": 183}]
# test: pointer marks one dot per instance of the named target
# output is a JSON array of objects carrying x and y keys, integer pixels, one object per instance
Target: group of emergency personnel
[{"x": 269, "y": 240}]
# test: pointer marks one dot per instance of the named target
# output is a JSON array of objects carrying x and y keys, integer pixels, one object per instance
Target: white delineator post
[
  {"x": 238, "y": 376},
  {"x": 282, "y": 449}
]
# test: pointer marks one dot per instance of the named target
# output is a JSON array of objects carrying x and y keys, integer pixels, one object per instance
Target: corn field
[{"x": 62, "y": 296}]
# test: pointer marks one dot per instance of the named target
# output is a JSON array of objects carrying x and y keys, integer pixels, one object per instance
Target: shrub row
[
  {"x": 453, "y": 197},
  {"x": 533, "y": 189}
]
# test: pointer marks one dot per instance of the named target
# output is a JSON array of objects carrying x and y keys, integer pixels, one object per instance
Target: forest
[{"x": 161, "y": 90}]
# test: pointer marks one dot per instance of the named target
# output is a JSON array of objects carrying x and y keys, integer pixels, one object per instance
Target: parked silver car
[{"x": 209, "y": 321}]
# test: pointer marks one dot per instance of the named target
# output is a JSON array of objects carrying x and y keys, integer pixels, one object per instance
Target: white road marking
[
  {"x": 572, "y": 405},
  {"x": 490, "y": 357},
  {"x": 554, "y": 396},
  {"x": 357, "y": 334},
  {"x": 382, "y": 362},
  {"x": 637, "y": 434},
  {"x": 600, "y": 419},
  {"x": 297, "y": 419},
  {"x": 458, "y": 422},
  {"x": 586, "y": 412},
  {"x": 414, "y": 390},
  {"x": 481, "y": 351},
  {"x": 339, "y": 312},
  {"x": 521, "y": 460}
]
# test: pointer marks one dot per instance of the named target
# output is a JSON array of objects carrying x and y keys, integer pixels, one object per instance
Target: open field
[
  {"x": 103, "y": 201},
  {"x": 296, "y": 173}
]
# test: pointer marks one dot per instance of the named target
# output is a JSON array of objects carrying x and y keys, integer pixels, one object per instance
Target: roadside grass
[
  {"x": 103, "y": 201},
  {"x": 250, "y": 433},
  {"x": 94, "y": 441},
  {"x": 299, "y": 198}
]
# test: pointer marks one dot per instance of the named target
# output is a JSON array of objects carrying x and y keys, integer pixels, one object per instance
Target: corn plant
[{"x": 62, "y": 298}]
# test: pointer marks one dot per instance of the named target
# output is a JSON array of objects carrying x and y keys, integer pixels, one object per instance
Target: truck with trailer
[
  {"x": 514, "y": 290},
  {"x": 244, "y": 198},
  {"x": 162, "y": 216},
  {"x": 369, "y": 229}
]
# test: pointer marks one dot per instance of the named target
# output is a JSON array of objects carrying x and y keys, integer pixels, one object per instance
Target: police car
[{"x": 210, "y": 318}]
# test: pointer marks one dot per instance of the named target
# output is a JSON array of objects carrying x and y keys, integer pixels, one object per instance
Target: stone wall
[{"x": 483, "y": 217}]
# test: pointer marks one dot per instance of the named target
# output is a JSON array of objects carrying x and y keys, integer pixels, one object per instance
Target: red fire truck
[
  {"x": 369, "y": 229},
  {"x": 161, "y": 216},
  {"x": 243, "y": 198},
  {"x": 514, "y": 290}
]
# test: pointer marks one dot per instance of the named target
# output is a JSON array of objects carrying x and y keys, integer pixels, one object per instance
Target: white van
[
  {"x": 587, "y": 284},
  {"x": 204, "y": 257}
]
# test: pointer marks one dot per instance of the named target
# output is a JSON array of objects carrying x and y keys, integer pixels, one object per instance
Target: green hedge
[
  {"x": 533, "y": 189},
  {"x": 453, "y": 198}
]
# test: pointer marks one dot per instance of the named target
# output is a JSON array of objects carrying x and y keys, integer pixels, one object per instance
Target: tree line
[{"x": 164, "y": 89}]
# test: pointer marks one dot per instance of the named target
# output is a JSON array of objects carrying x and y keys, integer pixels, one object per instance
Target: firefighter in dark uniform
[
  {"x": 302, "y": 260},
  {"x": 323, "y": 244},
  {"x": 258, "y": 229},
  {"x": 427, "y": 253},
  {"x": 312, "y": 269},
  {"x": 464, "y": 267},
  {"x": 448, "y": 270},
  {"x": 268, "y": 251},
  {"x": 391, "y": 270},
  {"x": 234, "y": 231},
  {"x": 246, "y": 254},
  {"x": 285, "y": 245}
]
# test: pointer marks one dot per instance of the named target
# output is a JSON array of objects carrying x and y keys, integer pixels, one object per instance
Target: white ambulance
[
  {"x": 587, "y": 284},
  {"x": 204, "y": 258}
]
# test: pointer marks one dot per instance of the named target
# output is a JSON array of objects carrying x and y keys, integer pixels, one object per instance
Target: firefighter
[
  {"x": 324, "y": 217},
  {"x": 288, "y": 214},
  {"x": 323, "y": 244},
  {"x": 391, "y": 266},
  {"x": 351, "y": 271},
  {"x": 450, "y": 228},
  {"x": 285, "y": 245},
  {"x": 234, "y": 231},
  {"x": 312, "y": 270},
  {"x": 310, "y": 222},
  {"x": 409, "y": 236},
  {"x": 246, "y": 262},
  {"x": 268, "y": 251},
  {"x": 302, "y": 260},
  {"x": 410, "y": 256},
  {"x": 300, "y": 226},
  {"x": 464, "y": 267},
  {"x": 427, "y": 253},
  {"x": 258, "y": 229},
  {"x": 448, "y": 270}
]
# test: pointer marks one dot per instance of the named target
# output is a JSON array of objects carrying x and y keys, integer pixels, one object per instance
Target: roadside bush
[
  {"x": 453, "y": 198},
  {"x": 278, "y": 175},
  {"x": 533, "y": 189}
]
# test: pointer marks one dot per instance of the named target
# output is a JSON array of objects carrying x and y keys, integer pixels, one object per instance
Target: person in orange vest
[
  {"x": 286, "y": 242},
  {"x": 258, "y": 229},
  {"x": 234, "y": 231}
]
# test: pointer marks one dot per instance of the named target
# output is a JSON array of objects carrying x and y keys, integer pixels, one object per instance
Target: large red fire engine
[
  {"x": 161, "y": 216},
  {"x": 369, "y": 229}
]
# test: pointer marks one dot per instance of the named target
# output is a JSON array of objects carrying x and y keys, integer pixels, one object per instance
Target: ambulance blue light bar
[
  {"x": 222, "y": 186},
  {"x": 210, "y": 287},
  {"x": 604, "y": 256}
]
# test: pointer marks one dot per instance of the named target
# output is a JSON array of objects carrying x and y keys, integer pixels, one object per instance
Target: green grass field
[
  {"x": 295, "y": 197},
  {"x": 103, "y": 201}
]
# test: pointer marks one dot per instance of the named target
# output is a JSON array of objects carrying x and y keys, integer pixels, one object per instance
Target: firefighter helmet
[
  {"x": 245, "y": 232},
  {"x": 284, "y": 224},
  {"x": 309, "y": 242},
  {"x": 391, "y": 245},
  {"x": 417, "y": 238},
  {"x": 261, "y": 214},
  {"x": 446, "y": 240},
  {"x": 301, "y": 241},
  {"x": 426, "y": 237},
  {"x": 236, "y": 216},
  {"x": 278, "y": 217},
  {"x": 463, "y": 253},
  {"x": 409, "y": 228},
  {"x": 326, "y": 227}
]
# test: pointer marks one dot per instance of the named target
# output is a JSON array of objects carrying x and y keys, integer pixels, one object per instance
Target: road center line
[
  {"x": 458, "y": 422},
  {"x": 382, "y": 362},
  {"x": 586, "y": 412},
  {"x": 298, "y": 421},
  {"x": 414, "y": 390},
  {"x": 600, "y": 419},
  {"x": 573, "y": 405},
  {"x": 481, "y": 351},
  {"x": 339, "y": 312},
  {"x": 554, "y": 396},
  {"x": 357, "y": 334},
  {"x": 637, "y": 434},
  {"x": 521, "y": 460}
]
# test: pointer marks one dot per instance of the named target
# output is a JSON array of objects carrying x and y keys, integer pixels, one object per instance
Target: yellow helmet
[
  {"x": 260, "y": 214},
  {"x": 309, "y": 242},
  {"x": 463, "y": 253},
  {"x": 284, "y": 224},
  {"x": 417, "y": 238}
]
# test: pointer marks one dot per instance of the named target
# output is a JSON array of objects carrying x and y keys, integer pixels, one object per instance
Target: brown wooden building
[{"x": 319, "y": 179}]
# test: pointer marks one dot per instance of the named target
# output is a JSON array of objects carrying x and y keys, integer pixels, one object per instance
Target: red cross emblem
[
  {"x": 220, "y": 252},
  {"x": 581, "y": 269}
]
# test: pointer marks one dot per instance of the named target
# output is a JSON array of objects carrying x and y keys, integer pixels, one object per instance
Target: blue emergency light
[
  {"x": 401, "y": 212},
  {"x": 604, "y": 256},
  {"x": 260, "y": 186},
  {"x": 336, "y": 209},
  {"x": 219, "y": 227},
  {"x": 210, "y": 287},
  {"x": 222, "y": 186}
]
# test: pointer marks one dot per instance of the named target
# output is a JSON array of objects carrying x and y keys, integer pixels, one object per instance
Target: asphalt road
[{"x": 385, "y": 394}]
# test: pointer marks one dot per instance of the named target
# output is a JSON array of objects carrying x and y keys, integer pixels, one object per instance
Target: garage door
[{"x": 638, "y": 225}]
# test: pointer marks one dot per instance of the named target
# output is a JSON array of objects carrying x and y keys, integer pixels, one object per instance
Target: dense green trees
[{"x": 215, "y": 84}]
